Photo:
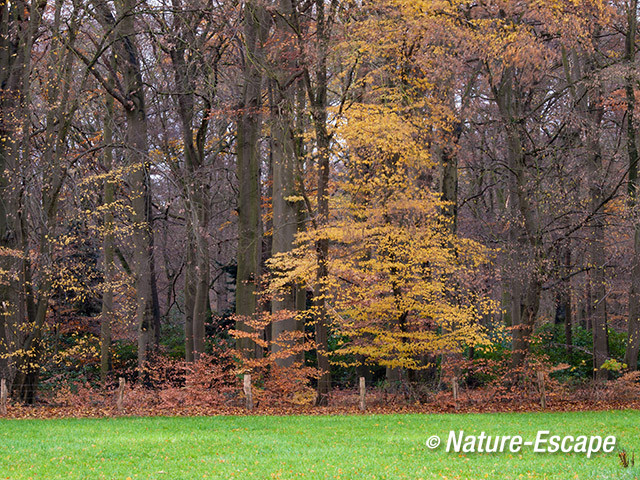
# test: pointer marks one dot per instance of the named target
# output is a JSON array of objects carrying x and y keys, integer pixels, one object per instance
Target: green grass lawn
[{"x": 346, "y": 447}]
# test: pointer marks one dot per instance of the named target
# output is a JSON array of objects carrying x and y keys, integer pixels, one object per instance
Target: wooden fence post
[
  {"x": 454, "y": 387},
  {"x": 3, "y": 396},
  {"x": 120, "y": 397},
  {"x": 543, "y": 394},
  {"x": 363, "y": 392},
  {"x": 247, "y": 391}
]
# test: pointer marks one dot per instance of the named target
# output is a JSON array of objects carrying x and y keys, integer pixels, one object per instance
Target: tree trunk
[
  {"x": 249, "y": 124},
  {"x": 633, "y": 341},
  {"x": 283, "y": 157},
  {"x": 140, "y": 188},
  {"x": 633, "y": 325},
  {"x": 108, "y": 247},
  {"x": 201, "y": 300},
  {"x": 189, "y": 293},
  {"x": 318, "y": 100},
  {"x": 566, "y": 301},
  {"x": 449, "y": 189},
  {"x": 18, "y": 24},
  {"x": 593, "y": 111},
  {"x": 597, "y": 257}
]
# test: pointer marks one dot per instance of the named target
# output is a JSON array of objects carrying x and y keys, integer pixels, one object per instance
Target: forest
[{"x": 316, "y": 191}]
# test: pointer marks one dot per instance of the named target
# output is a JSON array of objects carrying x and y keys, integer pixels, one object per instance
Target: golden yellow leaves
[
  {"x": 397, "y": 288},
  {"x": 379, "y": 132},
  {"x": 83, "y": 349}
]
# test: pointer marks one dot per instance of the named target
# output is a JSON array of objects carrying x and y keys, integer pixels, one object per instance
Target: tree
[
  {"x": 195, "y": 54},
  {"x": 633, "y": 327},
  {"x": 283, "y": 85},
  {"x": 120, "y": 32},
  {"x": 43, "y": 153},
  {"x": 249, "y": 123},
  {"x": 20, "y": 24},
  {"x": 389, "y": 290}
]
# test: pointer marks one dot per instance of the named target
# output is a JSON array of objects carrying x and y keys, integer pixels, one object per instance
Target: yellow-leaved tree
[{"x": 402, "y": 287}]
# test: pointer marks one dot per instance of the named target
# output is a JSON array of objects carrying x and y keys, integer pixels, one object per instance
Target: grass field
[{"x": 345, "y": 447}]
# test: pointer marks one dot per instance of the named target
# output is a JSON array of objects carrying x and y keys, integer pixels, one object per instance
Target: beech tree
[
  {"x": 285, "y": 85},
  {"x": 249, "y": 123}
]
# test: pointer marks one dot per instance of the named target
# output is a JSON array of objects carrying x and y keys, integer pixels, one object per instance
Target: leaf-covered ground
[{"x": 314, "y": 447}]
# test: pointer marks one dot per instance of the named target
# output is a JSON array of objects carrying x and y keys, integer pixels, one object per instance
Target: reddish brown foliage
[{"x": 185, "y": 401}]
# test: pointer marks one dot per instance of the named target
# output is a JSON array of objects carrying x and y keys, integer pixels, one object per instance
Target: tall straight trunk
[
  {"x": 597, "y": 257},
  {"x": 587, "y": 304},
  {"x": 108, "y": 246},
  {"x": 142, "y": 236},
  {"x": 284, "y": 230},
  {"x": 283, "y": 157},
  {"x": 318, "y": 99},
  {"x": 201, "y": 298},
  {"x": 322, "y": 251},
  {"x": 449, "y": 188},
  {"x": 449, "y": 194},
  {"x": 189, "y": 292},
  {"x": 249, "y": 124},
  {"x": 302, "y": 215},
  {"x": 633, "y": 325},
  {"x": 565, "y": 300}
]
